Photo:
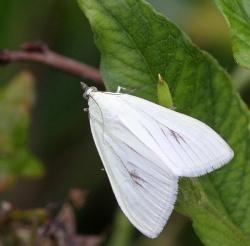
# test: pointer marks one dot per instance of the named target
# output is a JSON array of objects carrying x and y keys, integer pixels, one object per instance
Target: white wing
[
  {"x": 191, "y": 147},
  {"x": 146, "y": 192},
  {"x": 185, "y": 145}
]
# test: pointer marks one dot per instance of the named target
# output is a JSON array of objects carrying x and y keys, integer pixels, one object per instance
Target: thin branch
[{"x": 39, "y": 52}]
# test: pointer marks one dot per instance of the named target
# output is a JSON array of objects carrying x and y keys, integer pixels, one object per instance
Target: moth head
[{"x": 87, "y": 90}]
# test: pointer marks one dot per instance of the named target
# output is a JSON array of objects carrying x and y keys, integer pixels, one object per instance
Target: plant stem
[{"x": 39, "y": 52}]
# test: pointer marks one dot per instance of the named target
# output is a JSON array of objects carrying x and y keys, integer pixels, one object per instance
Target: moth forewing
[{"x": 191, "y": 147}]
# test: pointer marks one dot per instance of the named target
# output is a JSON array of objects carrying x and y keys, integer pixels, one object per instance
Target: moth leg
[
  {"x": 130, "y": 91},
  {"x": 173, "y": 108},
  {"x": 119, "y": 88}
]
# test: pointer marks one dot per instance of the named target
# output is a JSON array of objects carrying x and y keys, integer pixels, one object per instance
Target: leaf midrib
[{"x": 132, "y": 41}]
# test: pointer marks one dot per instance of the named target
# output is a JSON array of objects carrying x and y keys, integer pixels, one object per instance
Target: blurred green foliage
[
  {"x": 15, "y": 107},
  {"x": 237, "y": 16},
  {"x": 59, "y": 134}
]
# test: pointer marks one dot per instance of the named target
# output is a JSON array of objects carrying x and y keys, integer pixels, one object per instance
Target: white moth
[{"x": 145, "y": 148}]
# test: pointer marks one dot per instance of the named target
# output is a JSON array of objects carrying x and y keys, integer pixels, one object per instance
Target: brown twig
[{"x": 39, "y": 52}]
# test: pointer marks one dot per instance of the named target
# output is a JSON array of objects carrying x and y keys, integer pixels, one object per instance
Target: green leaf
[
  {"x": 136, "y": 45},
  {"x": 16, "y": 101},
  {"x": 163, "y": 93},
  {"x": 237, "y": 16}
]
